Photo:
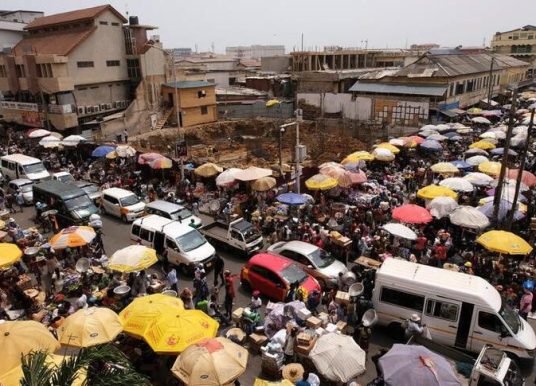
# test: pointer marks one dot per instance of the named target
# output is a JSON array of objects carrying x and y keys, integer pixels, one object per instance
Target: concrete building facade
[
  {"x": 197, "y": 101},
  {"x": 519, "y": 43},
  {"x": 12, "y": 25},
  {"x": 255, "y": 51}
]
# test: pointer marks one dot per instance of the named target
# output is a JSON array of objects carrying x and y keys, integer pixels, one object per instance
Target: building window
[
  {"x": 20, "y": 70},
  {"x": 113, "y": 63},
  {"x": 451, "y": 92},
  {"x": 115, "y": 24},
  {"x": 201, "y": 93},
  {"x": 133, "y": 68},
  {"x": 204, "y": 110},
  {"x": 470, "y": 85},
  {"x": 44, "y": 70},
  {"x": 103, "y": 22},
  {"x": 85, "y": 64},
  {"x": 459, "y": 88},
  {"x": 3, "y": 71}
]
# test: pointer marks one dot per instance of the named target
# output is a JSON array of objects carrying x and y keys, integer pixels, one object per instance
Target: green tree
[{"x": 103, "y": 365}]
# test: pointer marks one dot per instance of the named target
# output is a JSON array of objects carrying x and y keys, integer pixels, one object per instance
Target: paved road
[{"x": 116, "y": 236}]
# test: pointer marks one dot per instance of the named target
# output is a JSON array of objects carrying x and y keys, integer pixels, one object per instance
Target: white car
[
  {"x": 122, "y": 203},
  {"x": 64, "y": 177},
  {"x": 316, "y": 261},
  {"x": 25, "y": 186}
]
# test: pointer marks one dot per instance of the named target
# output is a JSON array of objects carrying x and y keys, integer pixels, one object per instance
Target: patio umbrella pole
[
  {"x": 520, "y": 172},
  {"x": 498, "y": 190}
]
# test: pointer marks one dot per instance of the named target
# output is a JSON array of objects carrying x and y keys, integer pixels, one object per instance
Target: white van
[
  {"x": 14, "y": 166},
  {"x": 122, "y": 203},
  {"x": 177, "y": 242},
  {"x": 173, "y": 212},
  {"x": 459, "y": 310}
]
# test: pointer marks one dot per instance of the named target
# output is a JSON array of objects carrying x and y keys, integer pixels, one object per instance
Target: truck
[
  {"x": 238, "y": 234},
  {"x": 492, "y": 367}
]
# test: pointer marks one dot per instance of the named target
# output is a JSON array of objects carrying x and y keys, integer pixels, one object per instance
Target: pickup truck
[
  {"x": 492, "y": 367},
  {"x": 238, "y": 234}
]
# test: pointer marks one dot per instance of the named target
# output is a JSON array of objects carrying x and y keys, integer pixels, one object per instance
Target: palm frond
[{"x": 35, "y": 370}]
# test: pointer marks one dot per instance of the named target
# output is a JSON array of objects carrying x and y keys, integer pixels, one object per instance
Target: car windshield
[
  {"x": 510, "y": 317},
  {"x": 26, "y": 188},
  {"x": 78, "y": 202},
  {"x": 130, "y": 200},
  {"x": 90, "y": 189},
  {"x": 34, "y": 168},
  {"x": 65, "y": 178},
  {"x": 190, "y": 241},
  {"x": 292, "y": 274},
  {"x": 321, "y": 258},
  {"x": 181, "y": 214}
]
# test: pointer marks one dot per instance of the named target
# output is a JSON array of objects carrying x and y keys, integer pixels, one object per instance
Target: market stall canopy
[
  {"x": 142, "y": 311},
  {"x": 482, "y": 145},
  {"x": 504, "y": 242},
  {"x": 348, "y": 179},
  {"x": 412, "y": 214},
  {"x": 388, "y": 146},
  {"x": 338, "y": 358},
  {"x": 358, "y": 156},
  {"x": 227, "y": 177},
  {"x": 476, "y": 160},
  {"x": 491, "y": 168},
  {"x": 125, "y": 151},
  {"x": 432, "y": 191},
  {"x": 431, "y": 145},
  {"x": 133, "y": 258},
  {"x": 400, "y": 230},
  {"x": 9, "y": 254},
  {"x": 334, "y": 170},
  {"x": 478, "y": 179},
  {"x": 161, "y": 163},
  {"x": 436, "y": 137},
  {"x": 291, "y": 199},
  {"x": 442, "y": 206},
  {"x": 38, "y": 133},
  {"x": 263, "y": 184},
  {"x": 444, "y": 168},
  {"x": 397, "y": 142},
  {"x": 75, "y": 236},
  {"x": 90, "y": 327},
  {"x": 263, "y": 382},
  {"x": 462, "y": 165},
  {"x": 411, "y": 365},
  {"x": 458, "y": 184},
  {"x": 216, "y": 361},
  {"x": 469, "y": 217},
  {"x": 252, "y": 173},
  {"x": 476, "y": 151},
  {"x": 50, "y": 142},
  {"x": 505, "y": 206},
  {"x": 481, "y": 120},
  {"x": 320, "y": 182},
  {"x": 527, "y": 177},
  {"x": 102, "y": 151},
  {"x": 19, "y": 338},
  {"x": 418, "y": 140},
  {"x": 145, "y": 158},
  {"x": 73, "y": 140},
  {"x": 383, "y": 154},
  {"x": 500, "y": 151}
]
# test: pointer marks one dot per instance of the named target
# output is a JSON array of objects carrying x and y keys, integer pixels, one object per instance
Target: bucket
[
  {"x": 355, "y": 290},
  {"x": 171, "y": 293}
]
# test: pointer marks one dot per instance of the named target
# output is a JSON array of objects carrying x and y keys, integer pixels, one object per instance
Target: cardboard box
[
  {"x": 324, "y": 318},
  {"x": 320, "y": 331},
  {"x": 237, "y": 314},
  {"x": 313, "y": 322},
  {"x": 304, "y": 314},
  {"x": 305, "y": 349},
  {"x": 256, "y": 341},
  {"x": 342, "y": 297},
  {"x": 304, "y": 339},
  {"x": 341, "y": 326}
]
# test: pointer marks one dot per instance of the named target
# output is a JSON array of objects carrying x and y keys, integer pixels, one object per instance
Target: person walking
[
  {"x": 219, "y": 266},
  {"x": 229, "y": 293},
  {"x": 525, "y": 303},
  {"x": 171, "y": 279},
  {"x": 414, "y": 326}
]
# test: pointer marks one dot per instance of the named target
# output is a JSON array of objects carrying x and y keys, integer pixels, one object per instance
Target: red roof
[
  {"x": 271, "y": 261},
  {"x": 59, "y": 43},
  {"x": 73, "y": 16}
]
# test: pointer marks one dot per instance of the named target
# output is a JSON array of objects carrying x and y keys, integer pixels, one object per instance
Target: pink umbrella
[
  {"x": 412, "y": 214},
  {"x": 146, "y": 158},
  {"x": 527, "y": 177},
  {"x": 348, "y": 179}
]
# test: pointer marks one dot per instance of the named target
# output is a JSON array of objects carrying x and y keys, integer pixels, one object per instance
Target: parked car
[
  {"x": 122, "y": 203},
  {"x": 173, "y": 212},
  {"x": 316, "y": 261},
  {"x": 272, "y": 274},
  {"x": 90, "y": 188},
  {"x": 25, "y": 186},
  {"x": 15, "y": 166},
  {"x": 65, "y": 177},
  {"x": 239, "y": 235}
]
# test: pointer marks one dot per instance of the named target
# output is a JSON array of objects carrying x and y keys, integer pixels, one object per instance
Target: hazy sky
[{"x": 384, "y": 23}]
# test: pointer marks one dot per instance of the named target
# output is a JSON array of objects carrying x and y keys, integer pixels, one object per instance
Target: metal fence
[{"x": 283, "y": 110}]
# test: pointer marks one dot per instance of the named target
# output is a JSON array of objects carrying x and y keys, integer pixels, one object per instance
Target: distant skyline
[{"x": 348, "y": 23}]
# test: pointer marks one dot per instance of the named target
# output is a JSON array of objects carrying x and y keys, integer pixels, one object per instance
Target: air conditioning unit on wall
[{"x": 81, "y": 110}]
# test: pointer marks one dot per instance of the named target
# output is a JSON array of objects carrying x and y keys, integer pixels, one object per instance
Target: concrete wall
[
  {"x": 9, "y": 38},
  {"x": 277, "y": 64},
  {"x": 101, "y": 93},
  {"x": 194, "y": 116},
  {"x": 253, "y": 110},
  {"x": 220, "y": 79}
]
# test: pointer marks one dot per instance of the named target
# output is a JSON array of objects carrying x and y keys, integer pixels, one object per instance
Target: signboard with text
[{"x": 19, "y": 106}]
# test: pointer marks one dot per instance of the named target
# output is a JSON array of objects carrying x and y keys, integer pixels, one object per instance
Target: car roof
[
  {"x": 63, "y": 173},
  {"x": 117, "y": 192},
  {"x": 21, "y": 181},
  {"x": 171, "y": 228},
  {"x": 164, "y": 205},
  {"x": 271, "y": 261},
  {"x": 299, "y": 247},
  {"x": 21, "y": 158},
  {"x": 81, "y": 183}
]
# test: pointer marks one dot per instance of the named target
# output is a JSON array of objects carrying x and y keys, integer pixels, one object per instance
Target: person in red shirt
[
  {"x": 440, "y": 253},
  {"x": 420, "y": 244},
  {"x": 230, "y": 293}
]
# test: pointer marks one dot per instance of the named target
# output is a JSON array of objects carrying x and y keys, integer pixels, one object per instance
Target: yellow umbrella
[
  {"x": 89, "y": 327},
  {"x": 320, "y": 182},
  {"x": 72, "y": 237},
  {"x": 492, "y": 168},
  {"x": 504, "y": 242},
  {"x": 272, "y": 102},
  {"x": 358, "y": 156},
  {"x": 139, "y": 314},
  {"x": 444, "y": 167},
  {"x": 263, "y": 184},
  {"x": 173, "y": 332},
  {"x": 208, "y": 170},
  {"x": 484, "y": 145},
  {"x": 112, "y": 155},
  {"x": 9, "y": 254},
  {"x": 14, "y": 376},
  {"x": 386, "y": 145},
  {"x": 217, "y": 361},
  {"x": 263, "y": 382},
  {"x": 133, "y": 258},
  {"x": 19, "y": 338},
  {"x": 432, "y": 191}
]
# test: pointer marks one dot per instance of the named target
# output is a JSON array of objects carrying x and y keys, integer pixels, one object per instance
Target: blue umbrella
[
  {"x": 504, "y": 207},
  {"x": 101, "y": 151},
  {"x": 431, "y": 145},
  {"x": 450, "y": 134},
  {"x": 291, "y": 199},
  {"x": 462, "y": 165},
  {"x": 455, "y": 138},
  {"x": 500, "y": 151}
]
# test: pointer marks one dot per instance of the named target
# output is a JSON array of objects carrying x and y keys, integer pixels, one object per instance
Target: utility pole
[
  {"x": 498, "y": 189},
  {"x": 281, "y": 131},
  {"x": 490, "y": 82},
  {"x": 523, "y": 158},
  {"x": 302, "y": 42}
]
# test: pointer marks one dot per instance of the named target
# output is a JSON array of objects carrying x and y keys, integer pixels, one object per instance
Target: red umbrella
[
  {"x": 527, "y": 177},
  {"x": 412, "y": 214},
  {"x": 418, "y": 140}
]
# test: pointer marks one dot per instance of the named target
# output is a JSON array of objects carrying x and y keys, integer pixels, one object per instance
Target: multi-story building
[
  {"x": 12, "y": 25},
  {"x": 255, "y": 51},
  {"x": 181, "y": 51},
  {"x": 76, "y": 67},
  {"x": 519, "y": 43},
  {"x": 196, "y": 101},
  {"x": 20, "y": 15}
]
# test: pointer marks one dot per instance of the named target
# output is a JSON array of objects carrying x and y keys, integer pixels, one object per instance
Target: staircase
[{"x": 162, "y": 121}]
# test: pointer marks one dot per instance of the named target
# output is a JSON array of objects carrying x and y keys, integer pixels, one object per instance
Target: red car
[{"x": 272, "y": 274}]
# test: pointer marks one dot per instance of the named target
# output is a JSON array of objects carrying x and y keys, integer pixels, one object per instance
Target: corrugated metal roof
[
  {"x": 189, "y": 84},
  {"x": 379, "y": 88}
]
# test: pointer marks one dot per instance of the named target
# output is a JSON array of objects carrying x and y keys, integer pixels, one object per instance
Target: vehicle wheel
[
  {"x": 246, "y": 286},
  {"x": 124, "y": 218},
  {"x": 396, "y": 331}
]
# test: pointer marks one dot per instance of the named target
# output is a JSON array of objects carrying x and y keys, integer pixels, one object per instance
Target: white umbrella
[
  {"x": 125, "y": 151},
  {"x": 457, "y": 184},
  {"x": 476, "y": 160},
  {"x": 488, "y": 134},
  {"x": 400, "y": 230},
  {"x": 252, "y": 173},
  {"x": 481, "y": 120},
  {"x": 56, "y": 134},
  {"x": 437, "y": 137},
  {"x": 476, "y": 151},
  {"x": 397, "y": 142},
  {"x": 441, "y": 206},
  {"x": 227, "y": 177},
  {"x": 427, "y": 132},
  {"x": 50, "y": 142},
  {"x": 382, "y": 154},
  {"x": 478, "y": 179},
  {"x": 469, "y": 217},
  {"x": 464, "y": 130},
  {"x": 428, "y": 127},
  {"x": 338, "y": 357},
  {"x": 39, "y": 133},
  {"x": 73, "y": 140},
  {"x": 510, "y": 184},
  {"x": 443, "y": 127}
]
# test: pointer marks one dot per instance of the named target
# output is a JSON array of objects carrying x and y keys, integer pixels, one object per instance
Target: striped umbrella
[
  {"x": 133, "y": 258},
  {"x": 161, "y": 163},
  {"x": 75, "y": 236}
]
